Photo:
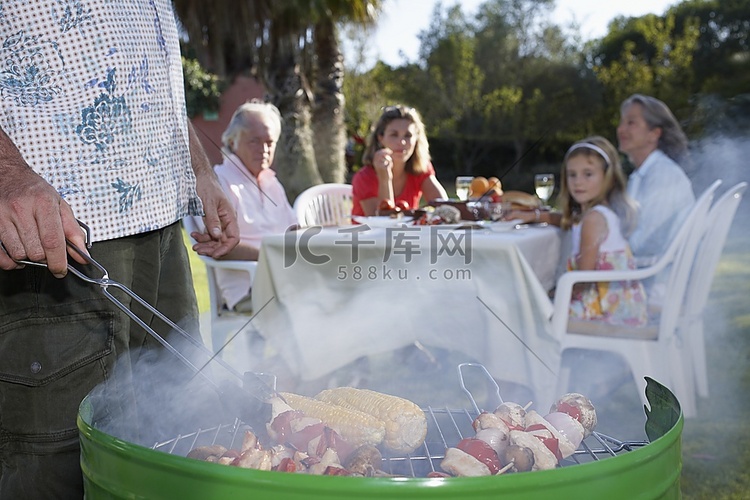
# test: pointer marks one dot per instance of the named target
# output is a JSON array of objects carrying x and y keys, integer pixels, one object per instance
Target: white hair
[{"x": 241, "y": 120}]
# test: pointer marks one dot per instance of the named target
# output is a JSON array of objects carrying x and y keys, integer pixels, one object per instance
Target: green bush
[{"x": 202, "y": 89}]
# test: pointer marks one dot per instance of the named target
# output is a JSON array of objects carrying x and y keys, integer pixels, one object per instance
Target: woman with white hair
[
  {"x": 251, "y": 185},
  {"x": 653, "y": 141}
]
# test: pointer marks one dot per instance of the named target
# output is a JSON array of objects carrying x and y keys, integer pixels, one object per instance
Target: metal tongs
[{"x": 234, "y": 396}]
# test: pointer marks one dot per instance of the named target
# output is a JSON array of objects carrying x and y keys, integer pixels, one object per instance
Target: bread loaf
[{"x": 521, "y": 200}]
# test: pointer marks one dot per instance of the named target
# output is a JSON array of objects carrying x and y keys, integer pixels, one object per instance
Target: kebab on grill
[
  {"x": 462, "y": 463},
  {"x": 513, "y": 414},
  {"x": 365, "y": 461},
  {"x": 518, "y": 458},
  {"x": 580, "y": 408},
  {"x": 517, "y": 440},
  {"x": 561, "y": 445},
  {"x": 318, "y": 435},
  {"x": 252, "y": 455}
]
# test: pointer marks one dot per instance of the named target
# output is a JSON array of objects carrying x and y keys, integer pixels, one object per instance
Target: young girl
[{"x": 594, "y": 204}]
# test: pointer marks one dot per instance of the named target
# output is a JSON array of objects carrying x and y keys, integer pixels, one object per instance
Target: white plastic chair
[
  {"x": 652, "y": 350},
  {"x": 324, "y": 205},
  {"x": 707, "y": 258},
  {"x": 223, "y": 321}
]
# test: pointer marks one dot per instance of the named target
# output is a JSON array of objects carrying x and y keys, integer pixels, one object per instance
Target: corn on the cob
[
  {"x": 356, "y": 427},
  {"x": 405, "y": 422}
]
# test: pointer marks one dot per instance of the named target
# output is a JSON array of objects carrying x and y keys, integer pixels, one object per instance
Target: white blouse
[
  {"x": 664, "y": 195},
  {"x": 262, "y": 209}
]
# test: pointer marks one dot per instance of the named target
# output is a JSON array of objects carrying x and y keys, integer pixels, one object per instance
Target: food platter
[{"x": 382, "y": 221}]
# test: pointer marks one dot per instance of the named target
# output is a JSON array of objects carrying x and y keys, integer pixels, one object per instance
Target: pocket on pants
[
  {"x": 49, "y": 363},
  {"x": 46, "y": 349}
]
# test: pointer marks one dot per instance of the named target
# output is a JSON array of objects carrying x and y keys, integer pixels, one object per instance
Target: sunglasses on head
[{"x": 396, "y": 111}]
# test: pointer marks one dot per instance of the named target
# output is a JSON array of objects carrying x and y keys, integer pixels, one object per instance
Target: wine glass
[
  {"x": 544, "y": 185},
  {"x": 463, "y": 183}
]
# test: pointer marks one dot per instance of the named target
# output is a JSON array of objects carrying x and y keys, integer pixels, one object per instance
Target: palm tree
[
  {"x": 329, "y": 129},
  {"x": 287, "y": 83},
  {"x": 286, "y": 45}
]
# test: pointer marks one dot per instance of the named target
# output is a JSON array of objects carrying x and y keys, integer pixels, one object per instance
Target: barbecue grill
[
  {"x": 116, "y": 468},
  {"x": 602, "y": 465}
]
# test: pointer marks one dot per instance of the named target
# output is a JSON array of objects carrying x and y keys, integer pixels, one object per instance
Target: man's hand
[
  {"x": 34, "y": 220},
  {"x": 222, "y": 232}
]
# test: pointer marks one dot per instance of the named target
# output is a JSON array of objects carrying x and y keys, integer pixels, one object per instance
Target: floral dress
[{"x": 616, "y": 302}]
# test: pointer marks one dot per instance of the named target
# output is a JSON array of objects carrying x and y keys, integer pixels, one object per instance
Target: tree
[
  {"x": 645, "y": 55},
  {"x": 508, "y": 78},
  {"x": 329, "y": 128},
  {"x": 490, "y": 87},
  {"x": 696, "y": 58},
  {"x": 721, "y": 57},
  {"x": 455, "y": 79},
  {"x": 293, "y": 48}
]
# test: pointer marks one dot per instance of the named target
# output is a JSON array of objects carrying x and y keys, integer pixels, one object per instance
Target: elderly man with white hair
[{"x": 252, "y": 187}]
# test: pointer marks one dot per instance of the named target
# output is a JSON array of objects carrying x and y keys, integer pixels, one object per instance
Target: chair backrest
[
  {"x": 692, "y": 224},
  {"x": 684, "y": 247},
  {"x": 717, "y": 225},
  {"x": 324, "y": 205}
]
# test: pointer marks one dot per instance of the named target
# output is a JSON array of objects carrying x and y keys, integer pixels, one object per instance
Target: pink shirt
[
  {"x": 262, "y": 209},
  {"x": 365, "y": 185}
]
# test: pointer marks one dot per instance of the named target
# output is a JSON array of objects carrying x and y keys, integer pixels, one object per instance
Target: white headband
[{"x": 592, "y": 147}]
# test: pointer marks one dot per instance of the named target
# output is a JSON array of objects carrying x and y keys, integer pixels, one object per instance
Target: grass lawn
[
  {"x": 199, "y": 276},
  {"x": 715, "y": 444}
]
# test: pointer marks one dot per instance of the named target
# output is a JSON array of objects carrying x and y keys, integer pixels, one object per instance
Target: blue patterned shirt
[{"x": 91, "y": 93}]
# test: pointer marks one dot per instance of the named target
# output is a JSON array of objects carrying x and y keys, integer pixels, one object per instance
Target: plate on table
[
  {"x": 382, "y": 220},
  {"x": 501, "y": 226}
]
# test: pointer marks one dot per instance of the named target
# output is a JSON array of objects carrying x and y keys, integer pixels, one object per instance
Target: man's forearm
[
  {"x": 198, "y": 158},
  {"x": 10, "y": 156}
]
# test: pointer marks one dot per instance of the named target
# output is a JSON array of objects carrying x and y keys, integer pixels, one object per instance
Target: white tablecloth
[{"x": 322, "y": 301}]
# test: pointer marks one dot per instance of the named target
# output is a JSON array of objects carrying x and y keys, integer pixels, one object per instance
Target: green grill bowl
[{"x": 113, "y": 469}]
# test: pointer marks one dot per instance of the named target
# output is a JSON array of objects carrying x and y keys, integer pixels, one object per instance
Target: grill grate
[{"x": 446, "y": 427}]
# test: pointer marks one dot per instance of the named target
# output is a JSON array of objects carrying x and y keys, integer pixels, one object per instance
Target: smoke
[
  {"x": 720, "y": 157},
  {"x": 724, "y": 155},
  {"x": 152, "y": 396}
]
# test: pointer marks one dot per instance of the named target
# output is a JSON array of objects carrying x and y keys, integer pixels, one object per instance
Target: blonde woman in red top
[{"x": 397, "y": 164}]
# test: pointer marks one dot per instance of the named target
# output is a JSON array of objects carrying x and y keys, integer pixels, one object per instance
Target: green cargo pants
[{"x": 60, "y": 338}]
